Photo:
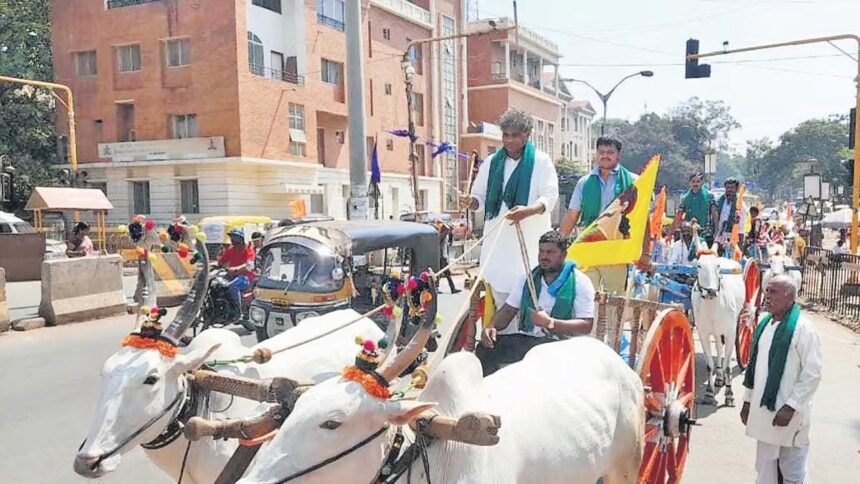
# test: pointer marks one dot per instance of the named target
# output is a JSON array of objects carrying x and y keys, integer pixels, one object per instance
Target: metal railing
[
  {"x": 126, "y": 3},
  {"x": 331, "y": 22},
  {"x": 277, "y": 74},
  {"x": 407, "y": 9},
  {"x": 831, "y": 282}
]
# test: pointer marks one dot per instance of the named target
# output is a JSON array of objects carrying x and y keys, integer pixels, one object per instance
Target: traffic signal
[
  {"x": 693, "y": 69},
  {"x": 852, "y": 127}
]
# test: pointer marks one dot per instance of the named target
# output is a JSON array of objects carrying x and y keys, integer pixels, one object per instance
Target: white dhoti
[{"x": 790, "y": 461}]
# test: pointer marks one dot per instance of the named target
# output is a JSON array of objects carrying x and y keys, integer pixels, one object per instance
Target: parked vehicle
[{"x": 312, "y": 269}]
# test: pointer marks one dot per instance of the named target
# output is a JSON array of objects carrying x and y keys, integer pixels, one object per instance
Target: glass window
[
  {"x": 418, "y": 108},
  {"x": 297, "y": 149},
  {"x": 183, "y": 126},
  {"x": 273, "y": 5},
  {"x": 277, "y": 65},
  {"x": 331, "y": 13},
  {"x": 140, "y": 197},
  {"x": 450, "y": 127},
  {"x": 255, "y": 55},
  {"x": 190, "y": 196},
  {"x": 301, "y": 268},
  {"x": 178, "y": 52},
  {"x": 297, "y": 116},
  {"x": 128, "y": 58},
  {"x": 86, "y": 63},
  {"x": 330, "y": 71}
]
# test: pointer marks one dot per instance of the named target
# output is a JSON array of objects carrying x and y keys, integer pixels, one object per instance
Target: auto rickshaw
[
  {"x": 312, "y": 269},
  {"x": 218, "y": 228}
]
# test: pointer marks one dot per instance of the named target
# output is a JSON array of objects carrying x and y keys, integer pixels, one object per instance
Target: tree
[
  {"x": 700, "y": 126},
  {"x": 27, "y": 115}
]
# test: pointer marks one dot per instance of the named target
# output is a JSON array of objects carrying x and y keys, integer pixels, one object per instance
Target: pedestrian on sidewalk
[
  {"x": 446, "y": 237},
  {"x": 780, "y": 381}
]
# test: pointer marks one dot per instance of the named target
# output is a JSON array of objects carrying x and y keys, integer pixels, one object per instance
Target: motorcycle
[{"x": 219, "y": 308}]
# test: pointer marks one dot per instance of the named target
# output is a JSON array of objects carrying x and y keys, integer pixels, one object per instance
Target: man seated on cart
[
  {"x": 564, "y": 308},
  {"x": 683, "y": 251},
  {"x": 696, "y": 206}
]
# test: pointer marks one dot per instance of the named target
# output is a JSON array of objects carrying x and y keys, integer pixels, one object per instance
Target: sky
[{"x": 768, "y": 92}]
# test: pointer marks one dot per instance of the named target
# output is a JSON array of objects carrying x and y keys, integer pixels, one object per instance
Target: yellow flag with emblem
[{"x": 615, "y": 237}]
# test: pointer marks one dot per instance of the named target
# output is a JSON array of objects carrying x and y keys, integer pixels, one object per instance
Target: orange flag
[{"x": 657, "y": 215}]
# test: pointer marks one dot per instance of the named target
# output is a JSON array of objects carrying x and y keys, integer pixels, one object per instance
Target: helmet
[{"x": 237, "y": 233}]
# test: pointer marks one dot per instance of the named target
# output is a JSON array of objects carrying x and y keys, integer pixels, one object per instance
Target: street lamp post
[
  {"x": 7, "y": 180},
  {"x": 605, "y": 97}
]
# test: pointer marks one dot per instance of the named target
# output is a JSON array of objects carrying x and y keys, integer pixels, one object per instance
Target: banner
[{"x": 616, "y": 236}]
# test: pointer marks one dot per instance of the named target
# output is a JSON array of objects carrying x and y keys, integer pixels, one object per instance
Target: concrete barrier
[
  {"x": 173, "y": 278},
  {"x": 4, "y": 307},
  {"x": 81, "y": 289}
]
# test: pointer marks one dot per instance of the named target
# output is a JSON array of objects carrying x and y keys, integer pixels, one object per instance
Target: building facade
[
  {"x": 577, "y": 139},
  {"x": 507, "y": 69},
  {"x": 238, "y": 107}
]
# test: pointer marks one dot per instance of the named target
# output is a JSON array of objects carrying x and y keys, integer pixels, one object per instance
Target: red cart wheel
[
  {"x": 667, "y": 366},
  {"x": 749, "y": 317}
]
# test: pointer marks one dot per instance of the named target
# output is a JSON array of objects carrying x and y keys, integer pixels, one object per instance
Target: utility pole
[
  {"x": 604, "y": 98},
  {"x": 355, "y": 105}
]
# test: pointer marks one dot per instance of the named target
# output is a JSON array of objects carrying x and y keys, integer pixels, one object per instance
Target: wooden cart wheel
[
  {"x": 667, "y": 366},
  {"x": 464, "y": 335},
  {"x": 749, "y": 317}
]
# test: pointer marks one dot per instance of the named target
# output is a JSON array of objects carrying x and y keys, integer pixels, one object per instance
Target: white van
[{"x": 10, "y": 224}]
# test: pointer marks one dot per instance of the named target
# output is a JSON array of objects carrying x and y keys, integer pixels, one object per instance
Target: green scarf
[
  {"x": 591, "y": 194},
  {"x": 775, "y": 358},
  {"x": 698, "y": 206},
  {"x": 565, "y": 293},
  {"x": 730, "y": 221},
  {"x": 516, "y": 192}
]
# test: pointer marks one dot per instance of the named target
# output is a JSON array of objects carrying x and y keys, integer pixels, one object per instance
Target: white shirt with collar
[
  {"x": 583, "y": 304},
  {"x": 678, "y": 252},
  {"x": 504, "y": 266}
]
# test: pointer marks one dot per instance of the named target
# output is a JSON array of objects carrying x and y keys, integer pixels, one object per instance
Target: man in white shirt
[
  {"x": 781, "y": 379},
  {"x": 679, "y": 251},
  {"x": 564, "y": 308},
  {"x": 727, "y": 207},
  {"x": 518, "y": 184}
]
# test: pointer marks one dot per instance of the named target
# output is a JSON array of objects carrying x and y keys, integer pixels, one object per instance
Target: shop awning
[{"x": 56, "y": 198}]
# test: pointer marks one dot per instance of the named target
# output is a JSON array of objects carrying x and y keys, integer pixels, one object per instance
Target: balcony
[
  {"x": 330, "y": 22},
  {"x": 277, "y": 74},
  {"x": 406, "y": 10},
  {"x": 164, "y": 149},
  {"x": 538, "y": 39},
  {"x": 126, "y": 3}
]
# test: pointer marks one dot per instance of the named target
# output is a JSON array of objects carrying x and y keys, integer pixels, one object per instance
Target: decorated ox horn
[
  {"x": 193, "y": 303},
  {"x": 420, "y": 303}
]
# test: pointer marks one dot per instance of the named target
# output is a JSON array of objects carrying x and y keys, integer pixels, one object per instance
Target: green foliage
[
  {"x": 27, "y": 115},
  {"x": 568, "y": 173}
]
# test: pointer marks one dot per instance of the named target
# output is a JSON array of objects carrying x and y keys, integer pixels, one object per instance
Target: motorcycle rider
[{"x": 238, "y": 259}]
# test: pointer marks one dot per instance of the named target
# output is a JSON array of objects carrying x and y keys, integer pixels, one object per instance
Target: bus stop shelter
[{"x": 60, "y": 199}]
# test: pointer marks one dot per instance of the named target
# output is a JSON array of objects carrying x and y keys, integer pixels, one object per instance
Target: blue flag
[{"x": 375, "y": 173}]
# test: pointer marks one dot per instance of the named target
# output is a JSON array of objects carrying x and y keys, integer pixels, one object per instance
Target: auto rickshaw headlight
[
  {"x": 337, "y": 274},
  {"x": 257, "y": 315}
]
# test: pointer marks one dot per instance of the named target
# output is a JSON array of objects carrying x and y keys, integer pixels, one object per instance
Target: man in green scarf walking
[
  {"x": 564, "y": 308},
  {"x": 780, "y": 381}
]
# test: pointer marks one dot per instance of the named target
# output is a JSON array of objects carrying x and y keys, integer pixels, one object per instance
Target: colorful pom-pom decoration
[
  {"x": 369, "y": 346},
  {"x": 122, "y": 229},
  {"x": 397, "y": 312},
  {"x": 141, "y": 252},
  {"x": 438, "y": 320},
  {"x": 382, "y": 343},
  {"x": 193, "y": 230},
  {"x": 425, "y": 276},
  {"x": 387, "y": 311},
  {"x": 411, "y": 285},
  {"x": 201, "y": 236},
  {"x": 400, "y": 290},
  {"x": 149, "y": 224},
  {"x": 152, "y": 258},
  {"x": 359, "y": 340},
  {"x": 426, "y": 297},
  {"x": 165, "y": 248},
  {"x": 144, "y": 310}
]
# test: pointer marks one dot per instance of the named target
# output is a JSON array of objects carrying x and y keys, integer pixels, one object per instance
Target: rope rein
[{"x": 524, "y": 252}]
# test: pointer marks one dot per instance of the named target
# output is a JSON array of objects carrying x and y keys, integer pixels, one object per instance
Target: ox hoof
[{"x": 730, "y": 401}]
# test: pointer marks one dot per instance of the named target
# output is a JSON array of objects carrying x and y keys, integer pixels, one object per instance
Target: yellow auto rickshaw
[{"x": 312, "y": 269}]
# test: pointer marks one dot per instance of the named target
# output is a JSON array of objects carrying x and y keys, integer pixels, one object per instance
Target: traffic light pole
[{"x": 855, "y": 199}]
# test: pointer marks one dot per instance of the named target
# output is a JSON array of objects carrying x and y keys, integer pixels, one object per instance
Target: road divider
[
  {"x": 81, "y": 289},
  {"x": 173, "y": 278}
]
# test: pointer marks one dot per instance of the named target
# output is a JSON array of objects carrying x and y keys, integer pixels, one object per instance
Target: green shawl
[
  {"x": 516, "y": 192},
  {"x": 591, "y": 194},
  {"x": 776, "y": 356},
  {"x": 698, "y": 206},
  {"x": 563, "y": 288},
  {"x": 730, "y": 221}
]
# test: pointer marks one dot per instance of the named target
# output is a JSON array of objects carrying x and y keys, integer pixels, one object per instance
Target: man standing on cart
[
  {"x": 728, "y": 211},
  {"x": 696, "y": 204},
  {"x": 518, "y": 184},
  {"x": 592, "y": 194}
]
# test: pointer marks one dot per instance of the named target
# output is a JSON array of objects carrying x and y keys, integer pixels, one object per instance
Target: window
[
  {"x": 414, "y": 55},
  {"x": 86, "y": 63},
  {"x": 178, "y": 52},
  {"x": 389, "y": 145},
  {"x": 183, "y": 126},
  {"x": 386, "y": 34},
  {"x": 189, "y": 195},
  {"x": 98, "y": 129},
  {"x": 387, "y": 88},
  {"x": 297, "y": 149},
  {"x": 297, "y": 116},
  {"x": 317, "y": 205},
  {"x": 418, "y": 108},
  {"x": 255, "y": 55},
  {"x": 330, "y": 13},
  {"x": 140, "y": 197},
  {"x": 273, "y": 5},
  {"x": 128, "y": 58},
  {"x": 550, "y": 138},
  {"x": 330, "y": 71},
  {"x": 277, "y": 65},
  {"x": 450, "y": 127}
]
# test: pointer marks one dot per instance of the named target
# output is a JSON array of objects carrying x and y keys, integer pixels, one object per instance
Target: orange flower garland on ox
[
  {"x": 144, "y": 343},
  {"x": 369, "y": 382}
]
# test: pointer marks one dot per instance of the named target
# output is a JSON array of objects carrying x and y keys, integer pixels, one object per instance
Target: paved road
[{"x": 50, "y": 385}]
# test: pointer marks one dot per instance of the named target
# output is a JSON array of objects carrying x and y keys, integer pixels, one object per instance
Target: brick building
[
  {"x": 506, "y": 69},
  {"x": 238, "y": 107}
]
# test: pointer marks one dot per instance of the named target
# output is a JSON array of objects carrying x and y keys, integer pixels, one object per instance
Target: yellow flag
[{"x": 616, "y": 236}]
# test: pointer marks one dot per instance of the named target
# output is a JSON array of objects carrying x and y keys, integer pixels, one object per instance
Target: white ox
[
  {"x": 140, "y": 384},
  {"x": 571, "y": 412},
  {"x": 718, "y": 299}
]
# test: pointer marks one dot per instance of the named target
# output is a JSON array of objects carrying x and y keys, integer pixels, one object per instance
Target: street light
[{"x": 605, "y": 97}]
